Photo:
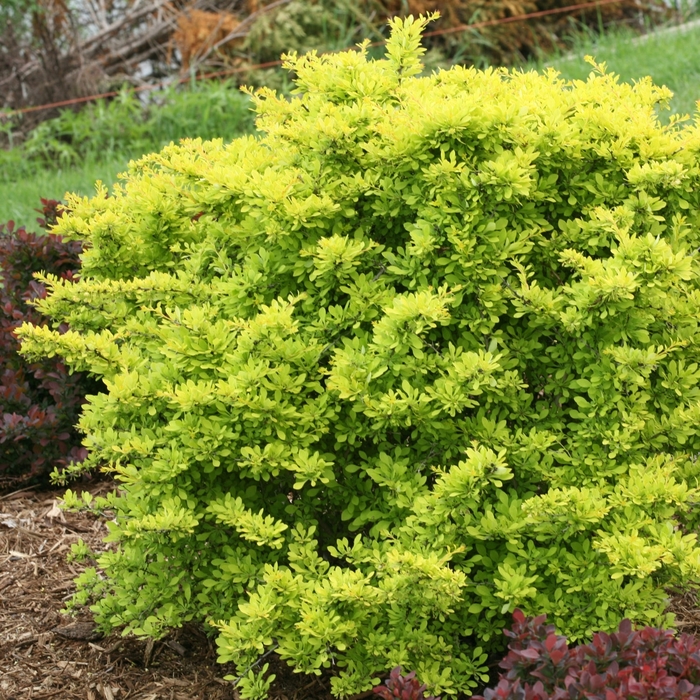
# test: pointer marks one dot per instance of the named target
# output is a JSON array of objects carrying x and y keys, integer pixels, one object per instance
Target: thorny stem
[
  {"x": 333, "y": 343},
  {"x": 254, "y": 664}
]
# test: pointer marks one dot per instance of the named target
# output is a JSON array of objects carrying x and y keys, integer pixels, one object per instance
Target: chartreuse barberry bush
[
  {"x": 629, "y": 664},
  {"x": 40, "y": 401},
  {"x": 424, "y": 351}
]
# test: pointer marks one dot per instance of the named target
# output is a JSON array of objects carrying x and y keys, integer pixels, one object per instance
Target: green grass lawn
[
  {"x": 671, "y": 59},
  {"x": 19, "y": 199}
]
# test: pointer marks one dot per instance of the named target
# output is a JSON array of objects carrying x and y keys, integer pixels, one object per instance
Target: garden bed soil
[{"x": 46, "y": 654}]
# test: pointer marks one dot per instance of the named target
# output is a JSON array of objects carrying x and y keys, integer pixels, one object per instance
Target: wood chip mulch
[
  {"x": 46, "y": 654},
  {"x": 684, "y": 606}
]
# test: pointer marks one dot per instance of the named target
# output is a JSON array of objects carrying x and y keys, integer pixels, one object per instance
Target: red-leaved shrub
[
  {"x": 39, "y": 401},
  {"x": 398, "y": 687},
  {"x": 645, "y": 664}
]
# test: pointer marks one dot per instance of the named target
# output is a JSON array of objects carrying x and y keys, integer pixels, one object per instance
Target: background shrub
[
  {"x": 424, "y": 352},
  {"x": 40, "y": 400},
  {"x": 649, "y": 663}
]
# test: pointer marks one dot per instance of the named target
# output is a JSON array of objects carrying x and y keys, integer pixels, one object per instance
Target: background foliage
[
  {"x": 40, "y": 400},
  {"x": 124, "y": 128},
  {"x": 424, "y": 352}
]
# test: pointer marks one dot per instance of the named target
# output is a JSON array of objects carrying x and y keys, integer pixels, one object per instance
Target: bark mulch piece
[{"x": 45, "y": 654}]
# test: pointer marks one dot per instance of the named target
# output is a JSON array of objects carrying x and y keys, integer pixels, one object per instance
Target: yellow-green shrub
[{"x": 425, "y": 351}]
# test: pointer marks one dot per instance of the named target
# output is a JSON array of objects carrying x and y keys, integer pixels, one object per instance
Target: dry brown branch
[
  {"x": 152, "y": 38},
  {"x": 198, "y": 31},
  {"x": 241, "y": 31},
  {"x": 94, "y": 42}
]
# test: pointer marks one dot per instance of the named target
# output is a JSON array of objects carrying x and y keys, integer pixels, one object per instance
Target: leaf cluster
[
  {"x": 648, "y": 663},
  {"x": 400, "y": 687}
]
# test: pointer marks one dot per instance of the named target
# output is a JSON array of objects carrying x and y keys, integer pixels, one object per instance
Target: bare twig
[{"x": 14, "y": 493}]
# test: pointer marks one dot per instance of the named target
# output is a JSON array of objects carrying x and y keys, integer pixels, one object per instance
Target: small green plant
[
  {"x": 79, "y": 552},
  {"x": 424, "y": 351},
  {"x": 254, "y": 685},
  {"x": 74, "y": 501}
]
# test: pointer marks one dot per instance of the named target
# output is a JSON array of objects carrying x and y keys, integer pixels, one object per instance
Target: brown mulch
[
  {"x": 684, "y": 606},
  {"x": 46, "y": 654}
]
